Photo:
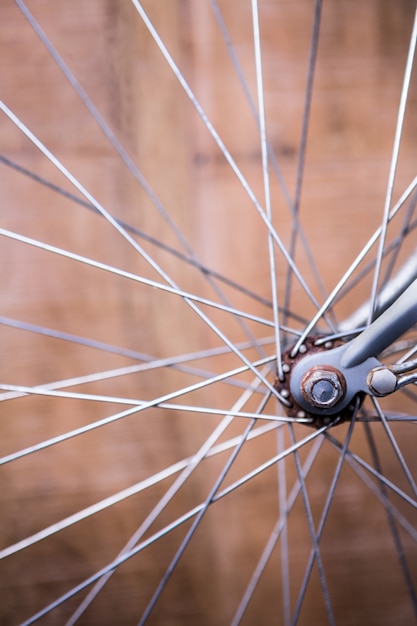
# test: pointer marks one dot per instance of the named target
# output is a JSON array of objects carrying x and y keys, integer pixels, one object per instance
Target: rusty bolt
[{"x": 323, "y": 386}]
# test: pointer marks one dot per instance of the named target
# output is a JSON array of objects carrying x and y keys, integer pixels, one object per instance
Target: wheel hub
[{"x": 323, "y": 386}]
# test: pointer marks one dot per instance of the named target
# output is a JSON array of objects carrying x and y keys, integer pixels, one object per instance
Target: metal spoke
[
  {"x": 276, "y": 533},
  {"x": 134, "y": 277},
  {"x": 271, "y": 154},
  {"x": 196, "y": 522},
  {"x": 188, "y": 298},
  {"x": 395, "y": 446},
  {"x": 130, "y": 491},
  {"x": 192, "y": 261},
  {"x": 127, "y": 160},
  {"x": 124, "y": 371},
  {"x": 120, "y": 150},
  {"x": 374, "y": 472},
  {"x": 370, "y": 484},
  {"x": 284, "y": 513},
  {"x": 191, "y": 301},
  {"x": 303, "y": 146},
  {"x": 267, "y": 189},
  {"x": 202, "y": 453},
  {"x": 275, "y": 459},
  {"x": 222, "y": 147},
  {"x": 395, "y": 246},
  {"x": 248, "y": 97},
  {"x": 137, "y": 409},
  {"x": 150, "y": 363},
  {"x": 352, "y": 268},
  {"x": 172, "y": 526},
  {"x": 393, "y": 165},
  {"x": 323, "y": 519},
  {"x": 314, "y": 535},
  {"x": 207, "y": 410},
  {"x": 110, "y": 135},
  {"x": 392, "y": 286},
  {"x": 391, "y": 522},
  {"x": 202, "y": 395}
]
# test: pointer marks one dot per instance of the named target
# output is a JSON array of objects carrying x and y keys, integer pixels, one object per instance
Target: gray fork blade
[{"x": 394, "y": 322}]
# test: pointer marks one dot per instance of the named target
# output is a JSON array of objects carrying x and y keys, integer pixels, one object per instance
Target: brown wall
[{"x": 359, "y": 73}]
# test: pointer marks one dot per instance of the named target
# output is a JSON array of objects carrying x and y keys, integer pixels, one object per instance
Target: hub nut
[{"x": 323, "y": 386}]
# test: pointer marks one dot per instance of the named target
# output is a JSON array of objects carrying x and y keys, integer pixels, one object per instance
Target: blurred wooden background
[{"x": 358, "y": 78}]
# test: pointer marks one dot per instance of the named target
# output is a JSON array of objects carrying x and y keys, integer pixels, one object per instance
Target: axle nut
[{"x": 323, "y": 386}]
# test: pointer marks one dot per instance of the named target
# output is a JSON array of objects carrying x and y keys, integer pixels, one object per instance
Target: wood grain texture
[{"x": 358, "y": 78}]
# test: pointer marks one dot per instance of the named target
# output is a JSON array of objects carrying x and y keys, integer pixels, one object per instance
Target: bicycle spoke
[
  {"x": 276, "y": 533},
  {"x": 407, "y": 227},
  {"x": 372, "y": 487},
  {"x": 265, "y": 173},
  {"x": 395, "y": 446},
  {"x": 314, "y": 535},
  {"x": 303, "y": 146},
  {"x": 150, "y": 364},
  {"x": 282, "y": 455},
  {"x": 137, "y": 409},
  {"x": 184, "y": 464},
  {"x": 392, "y": 287},
  {"x": 192, "y": 261},
  {"x": 223, "y": 149},
  {"x": 248, "y": 96},
  {"x": 393, "y": 165},
  {"x": 203, "y": 452},
  {"x": 284, "y": 512},
  {"x": 271, "y": 156},
  {"x": 322, "y": 523},
  {"x": 189, "y": 298},
  {"x": 201, "y": 410},
  {"x": 184, "y": 408},
  {"x": 129, "y": 275},
  {"x": 354, "y": 265},
  {"x": 371, "y": 470},
  {"x": 172, "y": 286},
  {"x": 172, "y": 526},
  {"x": 210, "y": 498},
  {"x": 127, "y": 160},
  {"x": 156, "y": 144},
  {"x": 391, "y": 522},
  {"x": 390, "y": 417},
  {"x": 120, "y": 150}
]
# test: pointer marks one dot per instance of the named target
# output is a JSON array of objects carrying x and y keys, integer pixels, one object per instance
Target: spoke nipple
[
  {"x": 301, "y": 415},
  {"x": 285, "y": 393},
  {"x": 328, "y": 345},
  {"x": 286, "y": 368},
  {"x": 302, "y": 349}
]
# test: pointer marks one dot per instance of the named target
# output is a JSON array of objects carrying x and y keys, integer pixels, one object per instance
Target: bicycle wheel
[{"x": 164, "y": 244}]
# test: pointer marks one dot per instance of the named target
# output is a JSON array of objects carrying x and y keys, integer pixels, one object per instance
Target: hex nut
[
  {"x": 323, "y": 386},
  {"x": 381, "y": 381}
]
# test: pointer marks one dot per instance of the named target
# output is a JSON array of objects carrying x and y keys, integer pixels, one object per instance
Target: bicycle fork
[{"x": 326, "y": 381}]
